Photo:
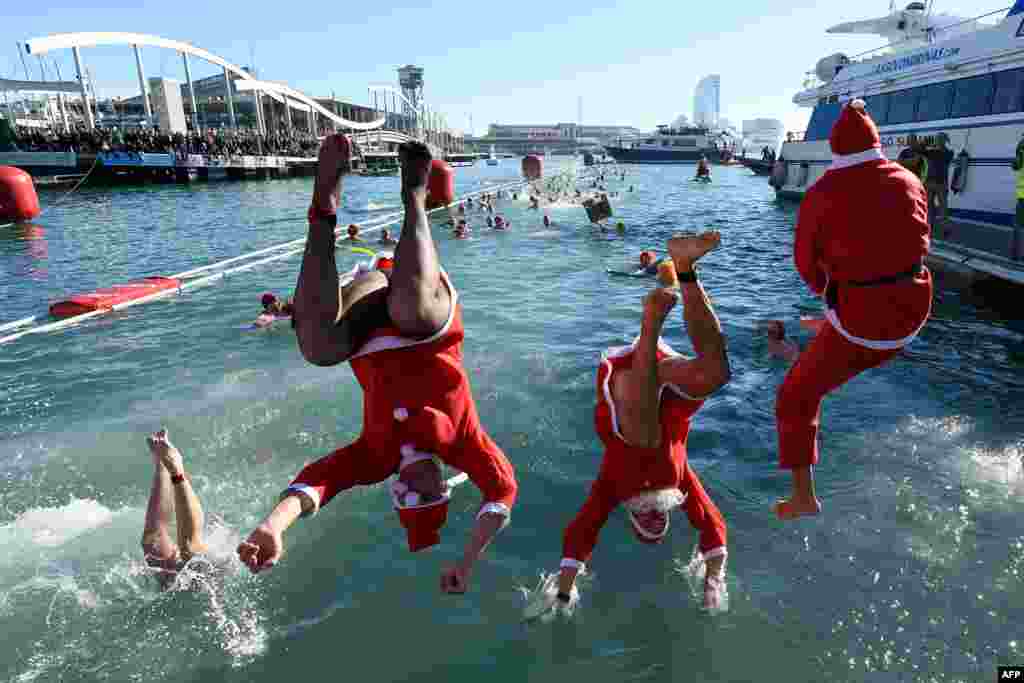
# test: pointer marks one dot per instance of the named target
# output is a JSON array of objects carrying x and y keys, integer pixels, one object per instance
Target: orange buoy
[
  {"x": 533, "y": 167},
  {"x": 440, "y": 184},
  {"x": 18, "y": 198}
]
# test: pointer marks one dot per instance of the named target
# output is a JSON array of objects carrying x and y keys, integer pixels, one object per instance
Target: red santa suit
[
  {"x": 861, "y": 239},
  {"x": 416, "y": 403},
  {"x": 631, "y": 473}
]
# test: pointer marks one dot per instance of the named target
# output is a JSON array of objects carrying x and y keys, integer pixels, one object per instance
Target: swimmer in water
[
  {"x": 172, "y": 501},
  {"x": 490, "y": 222},
  {"x": 386, "y": 238},
  {"x": 647, "y": 395},
  {"x": 499, "y": 222},
  {"x": 547, "y": 221},
  {"x": 353, "y": 233},
  {"x": 462, "y": 210},
  {"x": 461, "y": 231},
  {"x": 703, "y": 169},
  {"x": 630, "y": 188},
  {"x": 402, "y": 334}
]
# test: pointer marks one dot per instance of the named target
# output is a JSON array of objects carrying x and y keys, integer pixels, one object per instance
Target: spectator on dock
[{"x": 939, "y": 158}]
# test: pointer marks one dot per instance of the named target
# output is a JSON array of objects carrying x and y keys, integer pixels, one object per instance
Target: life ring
[
  {"x": 780, "y": 173},
  {"x": 801, "y": 176},
  {"x": 963, "y": 161}
]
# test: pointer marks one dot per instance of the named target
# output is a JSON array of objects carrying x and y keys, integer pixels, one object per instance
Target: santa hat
[
  {"x": 663, "y": 501},
  {"x": 268, "y": 299},
  {"x": 422, "y": 521},
  {"x": 854, "y": 137}
]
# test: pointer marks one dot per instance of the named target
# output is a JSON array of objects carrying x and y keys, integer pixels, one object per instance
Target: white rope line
[{"x": 292, "y": 246}]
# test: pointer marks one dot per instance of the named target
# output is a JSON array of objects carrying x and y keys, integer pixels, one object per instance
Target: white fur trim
[
  {"x": 662, "y": 500},
  {"x": 857, "y": 104},
  {"x": 307, "y": 491},
  {"x": 644, "y": 532},
  {"x": 390, "y": 343},
  {"x": 720, "y": 551},
  {"x": 846, "y": 160},
  {"x": 568, "y": 562},
  {"x": 873, "y": 344},
  {"x": 495, "y": 509}
]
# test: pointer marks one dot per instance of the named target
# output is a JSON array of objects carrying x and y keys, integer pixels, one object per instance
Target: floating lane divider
[{"x": 283, "y": 251}]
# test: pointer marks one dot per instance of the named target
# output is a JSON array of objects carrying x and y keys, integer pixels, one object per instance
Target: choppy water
[{"x": 914, "y": 573}]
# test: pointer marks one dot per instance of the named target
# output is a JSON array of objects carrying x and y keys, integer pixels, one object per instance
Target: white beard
[{"x": 662, "y": 500}]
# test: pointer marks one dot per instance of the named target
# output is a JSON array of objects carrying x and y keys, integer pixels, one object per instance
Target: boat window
[
  {"x": 1009, "y": 91},
  {"x": 903, "y": 104},
  {"x": 822, "y": 119},
  {"x": 972, "y": 96},
  {"x": 934, "y": 102},
  {"x": 878, "y": 107}
]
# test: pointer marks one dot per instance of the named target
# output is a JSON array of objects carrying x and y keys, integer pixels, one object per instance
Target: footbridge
[{"x": 386, "y": 121}]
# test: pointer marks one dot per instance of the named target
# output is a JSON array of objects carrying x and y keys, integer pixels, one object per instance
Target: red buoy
[
  {"x": 533, "y": 167},
  {"x": 440, "y": 184},
  {"x": 18, "y": 199}
]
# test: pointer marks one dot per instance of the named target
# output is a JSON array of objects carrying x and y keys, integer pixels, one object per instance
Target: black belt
[{"x": 832, "y": 292}]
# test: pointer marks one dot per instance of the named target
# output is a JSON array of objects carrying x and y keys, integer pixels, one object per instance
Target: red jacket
[
  {"x": 415, "y": 394},
  {"x": 627, "y": 470},
  {"x": 862, "y": 223}
]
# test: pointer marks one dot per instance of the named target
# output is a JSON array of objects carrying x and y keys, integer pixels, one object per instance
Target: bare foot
[
  {"x": 687, "y": 249},
  {"x": 797, "y": 507},
  {"x": 335, "y": 160},
  {"x": 415, "y": 159},
  {"x": 657, "y": 305},
  {"x": 163, "y": 450}
]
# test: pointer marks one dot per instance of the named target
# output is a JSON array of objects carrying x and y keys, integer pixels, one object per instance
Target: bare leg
[
  {"x": 418, "y": 302},
  {"x": 156, "y": 537},
  {"x": 636, "y": 390},
  {"x": 187, "y": 509},
  {"x": 710, "y": 370},
  {"x": 317, "y": 295}
]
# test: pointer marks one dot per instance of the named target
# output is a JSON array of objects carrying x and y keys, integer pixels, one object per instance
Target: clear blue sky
[{"x": 634, "y": 63}]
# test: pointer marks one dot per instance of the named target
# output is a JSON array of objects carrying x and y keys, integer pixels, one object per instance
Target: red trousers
[{"x": 828, "y": 362}]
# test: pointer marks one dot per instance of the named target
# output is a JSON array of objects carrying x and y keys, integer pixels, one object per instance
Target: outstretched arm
[
  {"x": 418, "y": 302},
  {"x": 317, "y": 293}
]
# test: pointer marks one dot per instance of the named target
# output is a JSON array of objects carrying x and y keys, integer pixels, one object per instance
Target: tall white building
[{"x": 706, "y": 100}]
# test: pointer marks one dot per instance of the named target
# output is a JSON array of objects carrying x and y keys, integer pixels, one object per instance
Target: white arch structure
[{"x": 74, "y": 41}]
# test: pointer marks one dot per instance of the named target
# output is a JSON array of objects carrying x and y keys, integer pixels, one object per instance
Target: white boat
[
  {"x": 944, "y": 75},
  {"x": 492, "y": 159}
]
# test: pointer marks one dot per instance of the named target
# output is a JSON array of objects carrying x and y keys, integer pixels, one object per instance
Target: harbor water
[{"x": 914, "y": 571}]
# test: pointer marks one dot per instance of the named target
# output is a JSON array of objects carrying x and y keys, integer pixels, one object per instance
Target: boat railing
[{"x": 932, "y": 36}]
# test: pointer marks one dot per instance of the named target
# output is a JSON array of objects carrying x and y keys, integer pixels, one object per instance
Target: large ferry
[
  {"x": 942, "y": 75},
  {"x": 667, "y": 146}
]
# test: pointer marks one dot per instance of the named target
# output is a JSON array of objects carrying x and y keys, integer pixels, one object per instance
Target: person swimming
[
  {"x": 353, "y": 233},
  {"x": 273, "y": 310},
  {"x": 547, "y": 221},
  {"x": 499, "y": 222},
  {"x": 171, "y": 498},
  {"x": 386, "y": 238},
  {"x": 703, "y": 169}
]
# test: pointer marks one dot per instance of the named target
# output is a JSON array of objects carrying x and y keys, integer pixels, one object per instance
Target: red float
[
  {"x": 18, "y": 199},
  {"x": 533, "y": 167},
  {"x": 440, "y": 184},
  {"x": 108, "y": 297}
]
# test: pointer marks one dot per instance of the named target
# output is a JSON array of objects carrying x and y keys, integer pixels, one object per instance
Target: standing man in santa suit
[
  {"x": 861, "y": 240},
  {"x": 401, "y": 331},
  {"x": 646, "y": 395}
]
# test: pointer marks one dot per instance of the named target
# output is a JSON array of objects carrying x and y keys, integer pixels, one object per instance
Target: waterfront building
[
  {"x": 559, "y": 138},
  {"x": 706, "y": 101}
]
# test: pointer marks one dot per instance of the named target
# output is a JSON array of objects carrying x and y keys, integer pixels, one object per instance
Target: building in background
[
  {"x": 559, "y": 138},
  {"x": 761, "y": 133},
  {"x": 706, "y": 101}
]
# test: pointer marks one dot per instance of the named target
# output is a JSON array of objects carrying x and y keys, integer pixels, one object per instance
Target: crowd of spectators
[{"x": 212, "y": 143}]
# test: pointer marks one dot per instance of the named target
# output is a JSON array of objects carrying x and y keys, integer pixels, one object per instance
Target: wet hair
[{"x": 776, "y": 330}]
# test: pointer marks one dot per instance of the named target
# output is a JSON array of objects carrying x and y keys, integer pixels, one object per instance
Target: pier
[{"x": 184, "y": 149}]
